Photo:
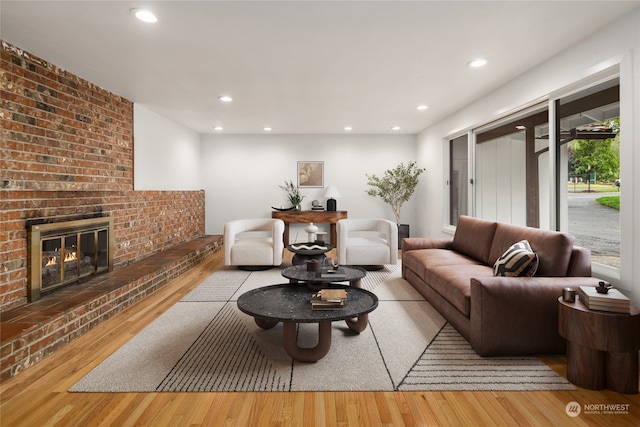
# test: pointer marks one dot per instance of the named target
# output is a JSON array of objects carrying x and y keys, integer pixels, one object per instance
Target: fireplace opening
[{"x": 68, "y": 252}]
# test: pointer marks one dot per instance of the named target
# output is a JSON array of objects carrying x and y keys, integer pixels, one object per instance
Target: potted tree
[{"x": 396, "y": 187}]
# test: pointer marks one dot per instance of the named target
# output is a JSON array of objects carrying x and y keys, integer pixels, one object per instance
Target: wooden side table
[
  {"x": 602, "y": 347},
  {"x": 317, "y": 217}
]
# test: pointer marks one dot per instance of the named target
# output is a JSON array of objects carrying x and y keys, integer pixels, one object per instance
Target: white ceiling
[{"x": 303, "y": 67}]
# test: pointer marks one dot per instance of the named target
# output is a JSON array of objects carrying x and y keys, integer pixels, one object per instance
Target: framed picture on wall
[{"x": 310, "y": 174}]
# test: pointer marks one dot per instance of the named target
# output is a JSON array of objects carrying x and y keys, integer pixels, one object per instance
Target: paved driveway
[{"x": 595, "y": 226}]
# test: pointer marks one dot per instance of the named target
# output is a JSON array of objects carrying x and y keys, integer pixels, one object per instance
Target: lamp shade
[{"x": 331, "y": 193}]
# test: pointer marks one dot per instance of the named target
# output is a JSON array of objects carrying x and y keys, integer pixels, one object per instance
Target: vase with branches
[
  {"x": 396, "y": 186},
  {"x": 293, "y": 194}
]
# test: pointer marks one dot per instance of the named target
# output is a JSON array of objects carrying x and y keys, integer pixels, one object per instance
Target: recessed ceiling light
[
  {"x": 225, "y": 98},
  {"x": 422, "y": 107},
  {"x": 266, "y": 129},
  {"x": 348, "y": 128},
  {"x": 477, "y": 63},
  {"x": 395, "y": 128},
  {"x": 521, "y": 127},
  {"x": 144, "y": 15},
  {"x": 218, "y": 128}
]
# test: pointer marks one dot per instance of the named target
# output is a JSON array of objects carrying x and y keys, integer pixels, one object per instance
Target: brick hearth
[{"x": 31, "y": 332}]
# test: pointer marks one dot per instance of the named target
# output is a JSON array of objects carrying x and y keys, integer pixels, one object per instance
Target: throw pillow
[{"x": 518, "y": 260}]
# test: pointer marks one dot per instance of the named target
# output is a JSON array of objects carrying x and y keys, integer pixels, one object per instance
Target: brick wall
[
  {"x": 61, "y": 132},
  {"x": 67, "y": 152}
]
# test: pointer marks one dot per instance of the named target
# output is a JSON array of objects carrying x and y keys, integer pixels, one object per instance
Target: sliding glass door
[
  {"x": 588, "y": 165},
  {"x": 513, "y": 170}
]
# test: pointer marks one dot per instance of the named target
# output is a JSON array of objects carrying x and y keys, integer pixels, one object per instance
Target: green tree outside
[{"x": 598, "y": 156}]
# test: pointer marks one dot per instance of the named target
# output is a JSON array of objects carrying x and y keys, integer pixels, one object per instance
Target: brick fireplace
[
  {"x": 67, "y": 153},
  {"x": 68, "y": 252}
]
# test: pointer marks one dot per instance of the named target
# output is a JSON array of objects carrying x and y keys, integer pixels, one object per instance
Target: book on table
[
  {"x": 614, "y": 301},
  {"x": 327, "y": 299},
  {"x": 332, "y": 273},
  {"x": 326, "y": 305}
]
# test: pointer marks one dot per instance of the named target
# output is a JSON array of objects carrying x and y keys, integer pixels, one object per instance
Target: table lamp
[{"x": 331, "y": 193}]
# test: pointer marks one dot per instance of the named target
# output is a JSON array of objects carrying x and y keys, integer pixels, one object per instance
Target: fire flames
[{"x": 68, "y": 257}]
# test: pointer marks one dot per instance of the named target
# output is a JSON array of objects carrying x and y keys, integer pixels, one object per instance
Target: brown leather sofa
[{"x": 497, "y": 315}]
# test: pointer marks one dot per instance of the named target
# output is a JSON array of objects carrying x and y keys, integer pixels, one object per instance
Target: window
[
  {"x": 588, "y": 187},
  {"x": 512, "y": 179},
  {"x": 458, "y": 178}
]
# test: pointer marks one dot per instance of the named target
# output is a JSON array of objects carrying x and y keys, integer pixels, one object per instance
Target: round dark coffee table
[
  {"x": 316, "y": 279},
  {"x": 291, "y": 305}
]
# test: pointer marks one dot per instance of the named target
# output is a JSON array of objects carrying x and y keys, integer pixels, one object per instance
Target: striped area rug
[
  {"x": 230, "y": 361},
  {"x": 205, "y": 344},
  {"x": 449, "y": 363}
]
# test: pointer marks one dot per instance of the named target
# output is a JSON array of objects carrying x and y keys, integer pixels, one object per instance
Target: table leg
[
  {"x": 312, "y": 354},
  {"x": 265, "y": 323},
  {"x": 358, "y": 324},
  {"x": 586, "y": 367},
  {"x": 315, "y": 287},
  {"x": 286, "y": 234},
  {"x": 334, "y": 235},
  {"x": 622, "y": 372}
]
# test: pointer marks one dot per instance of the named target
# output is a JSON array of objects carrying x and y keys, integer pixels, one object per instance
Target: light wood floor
[{"x": 39, "y": 397}]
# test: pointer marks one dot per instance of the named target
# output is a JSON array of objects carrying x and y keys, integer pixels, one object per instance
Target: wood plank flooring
[{"x": 38, "y": 396}]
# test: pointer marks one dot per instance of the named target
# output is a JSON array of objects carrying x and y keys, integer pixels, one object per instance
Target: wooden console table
[
  {"x": 317, "y": 217},
  {"x": 602, "y": 347}
]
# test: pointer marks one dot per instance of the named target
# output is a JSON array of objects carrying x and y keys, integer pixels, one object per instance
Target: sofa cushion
[
  {"x": 443, "y": 257},
  {"x": 580, "y": 263},
  {"x": 421, "y": 259},
  {"x": 474, "y": 238},
  {"x": 518, "y": 260},
  {"x": 552, "y": 247},
  {"x": 453, "y": 283}
]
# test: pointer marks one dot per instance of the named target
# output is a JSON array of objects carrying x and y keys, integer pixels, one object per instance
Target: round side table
[
  {"x": 315, "y": 279},
  {"x": 602, "y": 347}
]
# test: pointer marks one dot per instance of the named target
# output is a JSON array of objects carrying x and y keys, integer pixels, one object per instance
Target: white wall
[
  {"x": 166, "y": 153},
  {"x": 241, "y": 173},
  {"x": 617, "y": 45}
]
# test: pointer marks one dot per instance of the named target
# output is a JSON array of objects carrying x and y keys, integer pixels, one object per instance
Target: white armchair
[
  {"x": 254, "y": 244},
  {"x": 367, "y": 242}
]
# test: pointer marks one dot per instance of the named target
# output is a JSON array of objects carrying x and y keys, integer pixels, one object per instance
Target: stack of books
[
  {"x": 613, "y": 301},
  {"x": 328, "y": 299}
]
